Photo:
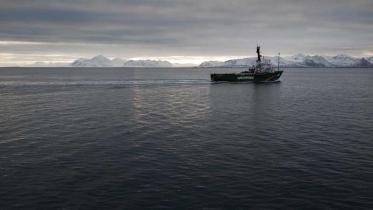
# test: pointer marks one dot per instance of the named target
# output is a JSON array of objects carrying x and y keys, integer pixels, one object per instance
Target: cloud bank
[{"x": 48, "y": 30}]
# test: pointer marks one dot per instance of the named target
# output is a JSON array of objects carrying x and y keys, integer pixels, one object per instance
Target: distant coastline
[
  {"x": 295, "y": 61},
  {"x": 191, "y": 67}
]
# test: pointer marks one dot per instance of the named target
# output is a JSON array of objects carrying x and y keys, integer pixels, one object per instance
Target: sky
[{"x": 182, "y": 31}]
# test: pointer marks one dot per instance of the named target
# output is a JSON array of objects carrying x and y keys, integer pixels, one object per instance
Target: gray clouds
[{"x": 189, "y": 27}]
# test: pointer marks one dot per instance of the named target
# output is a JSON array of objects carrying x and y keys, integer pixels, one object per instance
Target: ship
[{"x": 262, "y": 71}]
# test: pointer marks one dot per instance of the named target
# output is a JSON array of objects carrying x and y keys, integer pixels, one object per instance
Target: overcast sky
[{"x": 181, "y": 30}]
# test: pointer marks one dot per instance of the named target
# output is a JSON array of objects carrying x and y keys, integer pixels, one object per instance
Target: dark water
[{"x": 169, "y": 139}]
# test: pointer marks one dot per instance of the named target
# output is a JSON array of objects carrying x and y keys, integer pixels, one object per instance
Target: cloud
[{"x": 185, "y": 27}]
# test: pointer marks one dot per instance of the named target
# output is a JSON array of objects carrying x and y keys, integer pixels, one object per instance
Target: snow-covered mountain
[
  {"x": 316, "y": 61},
  {"x": 363, "y": 63},
  {"x": 117, "y": 62},
  {"x": 97, "y": 61},
  {"x": 147, "y": 63},
  {"x": 342, "y": 60},
  {"x": 102, "y": 61},
  {"x": 240, "y": 62},
  {"x": 211, "y": 64},
  {"x": 298, "y": 60},
  {"x": 370, "y": 59}
]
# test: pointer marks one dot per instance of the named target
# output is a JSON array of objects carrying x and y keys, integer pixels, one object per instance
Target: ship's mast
[
  {"x": 278, "y": 62},
  {"x": 258, "y": 52}
]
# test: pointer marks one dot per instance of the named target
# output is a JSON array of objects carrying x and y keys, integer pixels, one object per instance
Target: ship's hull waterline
[{"x": 247, "y": 77}]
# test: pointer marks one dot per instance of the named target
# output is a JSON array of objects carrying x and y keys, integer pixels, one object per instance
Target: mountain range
[
  {"x": 298, "y": 60},
  {"x": 102, "y": 61}
]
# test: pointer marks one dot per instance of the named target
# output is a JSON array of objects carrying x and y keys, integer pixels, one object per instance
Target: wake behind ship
[{"x": 262, "y": 71}]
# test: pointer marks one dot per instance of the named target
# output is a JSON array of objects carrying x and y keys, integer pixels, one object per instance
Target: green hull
[{"x": 247, "y": 77}]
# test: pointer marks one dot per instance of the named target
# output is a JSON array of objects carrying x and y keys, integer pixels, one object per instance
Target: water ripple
[{"x": 169, "y": 139}]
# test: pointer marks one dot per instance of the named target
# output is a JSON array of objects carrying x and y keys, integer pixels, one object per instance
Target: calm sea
[{"x": 169, "y": 139}]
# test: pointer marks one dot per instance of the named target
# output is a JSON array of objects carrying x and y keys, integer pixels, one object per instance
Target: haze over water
[{"x": 170, "y": 139}]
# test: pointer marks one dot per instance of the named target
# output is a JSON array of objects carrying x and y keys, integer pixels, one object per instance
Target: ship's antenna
[{"x": 278, "y": 62}]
